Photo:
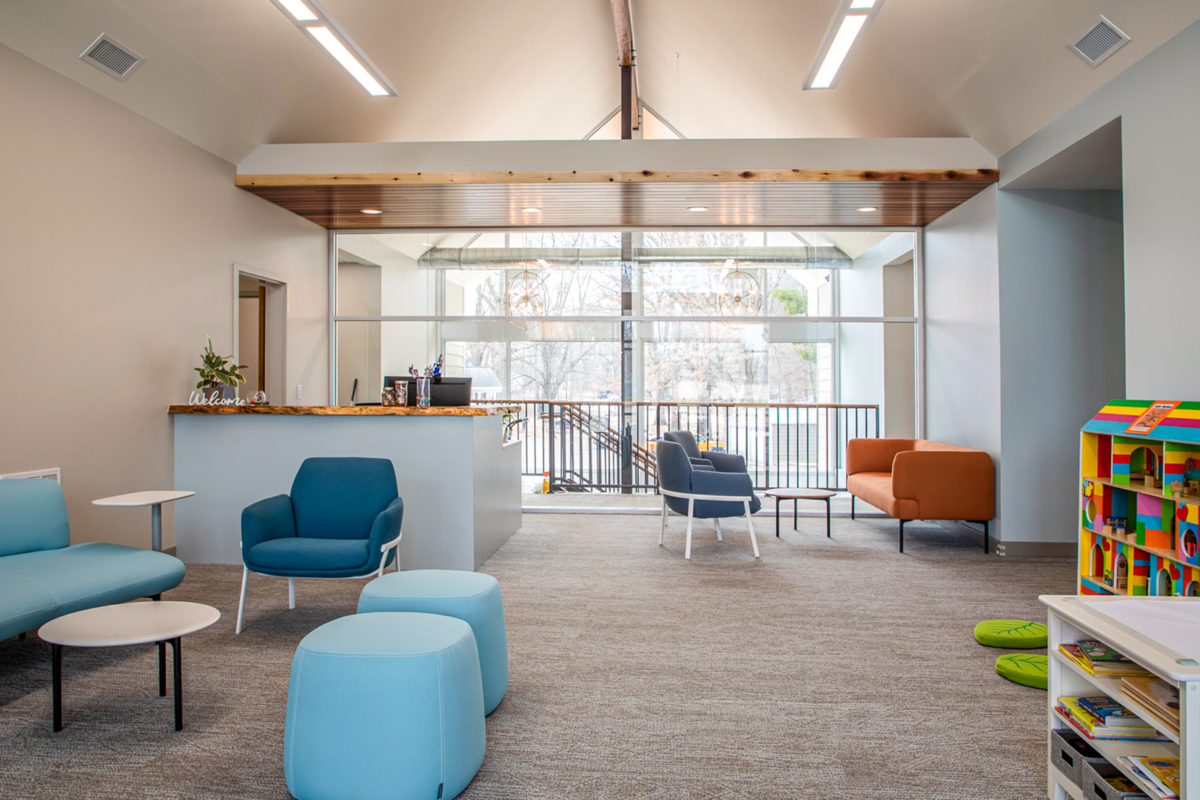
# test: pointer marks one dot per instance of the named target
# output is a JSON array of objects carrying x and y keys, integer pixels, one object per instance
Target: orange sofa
[{"x": 918, "y": 479}]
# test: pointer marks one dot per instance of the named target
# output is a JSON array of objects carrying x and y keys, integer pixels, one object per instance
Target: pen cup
[
  {"x": 423, "y": 392},
  {"x": 401, "y": 392}
]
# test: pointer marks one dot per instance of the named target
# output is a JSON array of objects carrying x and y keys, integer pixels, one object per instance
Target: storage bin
[
  {"x": 1069, "y": 751},
  {"x": 1096, "y": 784}
]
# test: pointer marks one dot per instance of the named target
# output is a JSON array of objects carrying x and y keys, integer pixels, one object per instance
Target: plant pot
[{"x": 211, "y": 392}]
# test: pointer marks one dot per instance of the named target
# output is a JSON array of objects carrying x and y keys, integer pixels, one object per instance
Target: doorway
[{"x": 260, "y": 333}]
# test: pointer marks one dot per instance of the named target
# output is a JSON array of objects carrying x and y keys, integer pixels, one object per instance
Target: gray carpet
[{"x": 827, "y": 669}]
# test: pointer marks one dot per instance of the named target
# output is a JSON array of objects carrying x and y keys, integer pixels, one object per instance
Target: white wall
[
  {"x": 119, "y": 244},
  {"x": 962, "y": 330},
  {"x": 1062, "y": 326},
  {"x": 248, "y": 344},
  {"x": 1158, "y": 101}
]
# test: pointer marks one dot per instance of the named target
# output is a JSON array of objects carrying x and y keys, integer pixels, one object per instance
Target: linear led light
[
  {"x": 310, "y": 17},
  {"x": 845, "y": 33}
]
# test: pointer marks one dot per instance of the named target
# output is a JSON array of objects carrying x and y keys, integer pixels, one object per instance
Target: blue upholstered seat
[
  {"x": 689, "y": 491},
  {"x": 341, "y": 520},
  {"x": 384, "y": 705},
  {"x": 470, "y": 596},
  {"x": 43, "y": 575}
]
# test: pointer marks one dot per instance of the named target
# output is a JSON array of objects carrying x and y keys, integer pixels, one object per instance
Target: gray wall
[
  {"x": 962, "y": 330},
  {"x": 119, "y": 245},
  {"x": 1062, "y": 347},
  {"x": 1158, "y": 101}
]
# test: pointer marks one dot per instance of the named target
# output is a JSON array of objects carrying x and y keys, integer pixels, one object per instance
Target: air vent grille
[
  {"x": 111, "y": 56},
  {"x": 1099, "y": 41}
]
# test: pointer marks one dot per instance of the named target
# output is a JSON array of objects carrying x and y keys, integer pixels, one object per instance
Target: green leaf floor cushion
[
  {"x": 1026, "y": 669},
  {"x": 1014, "y": 634}
]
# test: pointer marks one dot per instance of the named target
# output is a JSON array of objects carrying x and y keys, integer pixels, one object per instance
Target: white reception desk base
[{"x": 460, "y": 484}]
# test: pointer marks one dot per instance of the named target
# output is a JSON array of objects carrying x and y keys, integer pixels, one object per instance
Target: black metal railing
[{"x": 588, "y": 446}]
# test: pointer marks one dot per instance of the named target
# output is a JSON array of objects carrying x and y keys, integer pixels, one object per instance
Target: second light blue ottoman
[
  {"x": 470, "y": 596},
  {"x": 384, "y": 706}
]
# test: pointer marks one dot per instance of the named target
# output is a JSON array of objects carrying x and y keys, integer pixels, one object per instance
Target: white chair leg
[
  {"x": 242, "y": 600},
  {"x": 719, "y": 539},
  {"x": 291, "y": 593},
  {"x": 750, "y": 525},
  {"x": 687, "y": 550},
  {"x": 662, "y": 529}
]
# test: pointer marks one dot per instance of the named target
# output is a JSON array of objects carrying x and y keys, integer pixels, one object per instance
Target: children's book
[
  {"x": 1111, "y": 713},
  {"x": 1166, "y": 770}
]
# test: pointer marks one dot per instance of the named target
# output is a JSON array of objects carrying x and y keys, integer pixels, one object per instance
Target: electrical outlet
[{"x": 299, "y": 392}]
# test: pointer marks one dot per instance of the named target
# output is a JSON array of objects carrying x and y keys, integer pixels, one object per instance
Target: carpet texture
[{"x": 827, "y": 669}]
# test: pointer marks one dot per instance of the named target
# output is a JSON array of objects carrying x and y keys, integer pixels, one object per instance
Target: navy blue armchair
[
  {"x": 342, "y": 520},
  {"x": 698, "y": 492}
]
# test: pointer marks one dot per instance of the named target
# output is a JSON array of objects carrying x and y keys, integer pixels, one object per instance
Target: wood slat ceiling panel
[{"x": 642, "y": 204}]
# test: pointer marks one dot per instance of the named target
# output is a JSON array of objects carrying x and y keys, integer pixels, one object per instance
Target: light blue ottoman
[
  {"x": 470, "y": 596},
  {"x": 384, "y": 706}
]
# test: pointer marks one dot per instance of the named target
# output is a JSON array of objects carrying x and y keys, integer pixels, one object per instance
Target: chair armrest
[
  {"x": 725, "y": 462},
  {"x": 874, "y": 455},
  {"x": 700, "y": 463},
  {"x": 265, "y": 520},
  {"x": 725, "y": 484},
  {"x": 386, "y": 529},
  {"x": 947, "y": 484}
]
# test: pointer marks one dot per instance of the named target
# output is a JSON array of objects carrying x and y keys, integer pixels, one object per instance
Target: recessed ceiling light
[
  {"x": 698, "y": 208},
  {"x": 371, "y": 211},
  {"x": 531, "y": 210},
  {"x": 310, "y": 17},
  {"x": 845, "y": 32},
  {"x": 868, "y": 208},
  {"x": 298, "y": 10},
  {"x": 428, "y": 244}
]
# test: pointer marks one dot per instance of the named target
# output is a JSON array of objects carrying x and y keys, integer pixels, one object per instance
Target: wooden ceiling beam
[
  {"x": 624, "y": 26},
  {"x": 984, "y": 176}
]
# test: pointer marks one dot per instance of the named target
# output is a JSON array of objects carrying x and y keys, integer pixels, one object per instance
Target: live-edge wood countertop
[{"x": 351, "y": 411}]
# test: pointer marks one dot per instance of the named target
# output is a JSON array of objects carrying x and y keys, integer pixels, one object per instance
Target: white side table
[
  {"x": 152, "y": 499},
  {"x": 162, "y": 621}
]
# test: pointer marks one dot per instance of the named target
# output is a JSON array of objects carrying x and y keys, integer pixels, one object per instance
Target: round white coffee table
[
  {"x": 795, "y": 494},
  {"x": 162, "y": 621}
]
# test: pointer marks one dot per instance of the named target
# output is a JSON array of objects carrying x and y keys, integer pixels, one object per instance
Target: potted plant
[{"x": 217, "y": 372}]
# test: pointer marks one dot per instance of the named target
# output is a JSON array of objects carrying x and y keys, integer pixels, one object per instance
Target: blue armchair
[
  {"x": 342, "y": 520},
  {"x": 704, "y": 493},
  {"x": 705, "y": 459}
]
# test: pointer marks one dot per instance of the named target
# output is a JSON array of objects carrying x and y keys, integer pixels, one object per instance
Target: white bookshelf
[{"x": 1073, "y": 618}]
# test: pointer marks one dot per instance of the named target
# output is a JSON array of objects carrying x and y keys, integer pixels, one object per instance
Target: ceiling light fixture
[
  {"x": 310, "y": 17},
  {"x": 868, "y": 208},
  {"x": 428, "y": 244},
  {"x": 371, "y": 211},
  {"x": 531, "y": 210},
  {"x": 299, "y": 11},
  {"x": 845, "y": 33},
  {"x": 697, "y": 208}
]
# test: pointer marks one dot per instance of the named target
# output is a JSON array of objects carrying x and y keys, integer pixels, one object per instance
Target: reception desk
[{"x": 460, "y": 481}]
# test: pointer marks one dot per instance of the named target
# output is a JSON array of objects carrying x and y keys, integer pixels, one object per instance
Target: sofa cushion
[
  {"x": 24, "y": 605},
  {"x": 95, "y": 574},
  {"x": 309, "y": 555},
  {"x": 33, "y": 516},
  {"x": 876, "y": 489}
]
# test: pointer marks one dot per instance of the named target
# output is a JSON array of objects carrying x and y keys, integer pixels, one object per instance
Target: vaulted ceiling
[{"x": 228, "y": 75}]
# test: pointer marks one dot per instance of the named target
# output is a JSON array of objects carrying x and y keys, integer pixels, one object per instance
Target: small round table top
[
  {"x": 129, "y": 623},
  {"x": 800, "y": 493}
]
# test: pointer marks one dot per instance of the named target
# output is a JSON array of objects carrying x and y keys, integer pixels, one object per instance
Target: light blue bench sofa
[{"x": 43, "y": 575}]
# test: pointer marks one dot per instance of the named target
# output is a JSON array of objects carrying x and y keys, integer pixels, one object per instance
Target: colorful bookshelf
[{"x": 1140, "y": 500}]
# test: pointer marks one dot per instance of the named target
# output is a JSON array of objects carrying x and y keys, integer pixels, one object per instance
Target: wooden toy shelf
[{"x": 1139, "y": 540}]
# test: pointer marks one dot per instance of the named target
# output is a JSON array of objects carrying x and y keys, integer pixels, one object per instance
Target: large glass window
[{"x": 755, "y": 317}]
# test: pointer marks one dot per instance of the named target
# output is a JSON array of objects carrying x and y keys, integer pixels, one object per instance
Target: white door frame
[{"x": 277, "y": 315}]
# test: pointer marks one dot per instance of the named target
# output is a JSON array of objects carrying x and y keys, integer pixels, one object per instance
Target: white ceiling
[{"x": 231, "y": 74}]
